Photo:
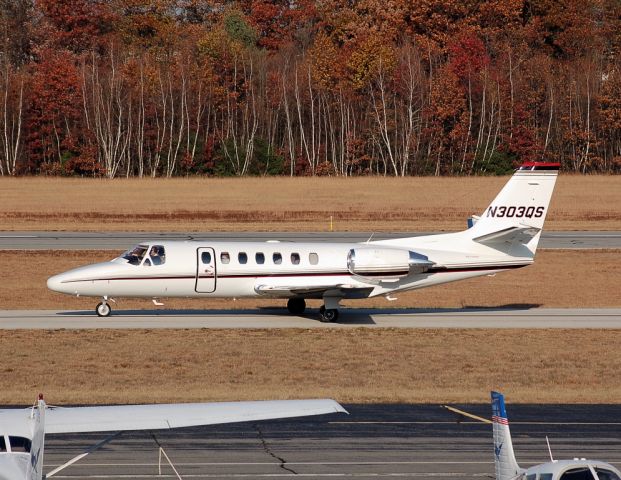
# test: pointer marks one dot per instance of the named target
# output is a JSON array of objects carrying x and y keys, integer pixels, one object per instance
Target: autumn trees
[{"x": 255, "y": 87}]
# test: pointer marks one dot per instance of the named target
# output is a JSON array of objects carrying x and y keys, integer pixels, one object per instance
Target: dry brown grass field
[
  {"x": 357, "y": 365},
  {"x": 284, "y": 204},
  {"x": 556, "y": 279}
]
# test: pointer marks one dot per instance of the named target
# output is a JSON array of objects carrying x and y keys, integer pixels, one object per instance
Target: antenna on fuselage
[
  {"x": 550, "y": 450},
  {"x": 370, "y": 238}
]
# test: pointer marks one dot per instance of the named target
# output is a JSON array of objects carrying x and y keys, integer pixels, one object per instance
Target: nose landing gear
[{"x": 103, "y": 309}]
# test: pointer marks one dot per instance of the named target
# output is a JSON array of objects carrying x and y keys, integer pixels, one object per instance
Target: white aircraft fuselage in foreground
[
  {"x": 507, "y": 468},
  {"x": 504, "y": 237},
  {"x": 22, "y": 431}
]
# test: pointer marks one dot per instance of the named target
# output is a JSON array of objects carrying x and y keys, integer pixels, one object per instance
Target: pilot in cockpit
[{"x": 157, "y": 255}]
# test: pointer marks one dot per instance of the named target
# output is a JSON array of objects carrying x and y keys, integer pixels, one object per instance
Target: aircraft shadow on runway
[{"x": 348, "y": 316}]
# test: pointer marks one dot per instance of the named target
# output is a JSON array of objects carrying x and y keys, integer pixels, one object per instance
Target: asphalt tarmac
[
  {"x": 123, "y": 240},
  {"x": 374, "y": 441},
  {"x": 349, "y": 318}
]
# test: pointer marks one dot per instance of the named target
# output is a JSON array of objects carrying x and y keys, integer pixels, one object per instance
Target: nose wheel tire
[
  {"x": 103, "y": 309},
  {"x": 328, "y": 314},
  {"x": 296, "y": 306}
]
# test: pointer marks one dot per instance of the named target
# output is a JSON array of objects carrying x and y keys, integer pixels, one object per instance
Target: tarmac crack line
[{"x": 268, "y": 450}]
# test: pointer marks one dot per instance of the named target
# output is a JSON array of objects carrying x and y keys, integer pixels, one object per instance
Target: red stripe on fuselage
[{"x": 323, "y": 274}]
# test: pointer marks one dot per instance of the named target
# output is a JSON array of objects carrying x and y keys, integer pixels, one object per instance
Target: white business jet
[
  {"x": 22, "y": 431},
  {"x": 507, "y": 467},
  {"x": 504, "y": 237}
]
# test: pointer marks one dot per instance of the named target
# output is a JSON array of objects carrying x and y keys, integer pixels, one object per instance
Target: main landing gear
[
  {"x": 296, "y": 306},
  {"x": 328, "y": 314},
  {"x": 329, "y": 311},
  {"x": 103, "y": 309}
]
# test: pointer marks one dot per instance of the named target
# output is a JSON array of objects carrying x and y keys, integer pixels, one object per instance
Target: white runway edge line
[
  {"x": 296, "y": 475},
  {"x": 255, "y": 464}
]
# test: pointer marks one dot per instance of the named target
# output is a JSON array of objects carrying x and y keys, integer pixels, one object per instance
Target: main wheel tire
[
  {"x": 103, "y": 309},
  {"x": 328, "y": 314},
  {"x": 296, "y": 306}
]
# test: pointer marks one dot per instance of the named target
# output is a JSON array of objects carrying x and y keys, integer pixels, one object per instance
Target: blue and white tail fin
[
  {"x": 514, "y": 220},
  {"x": 504, "y": 459},
  {"x": 35, "y": 468}
]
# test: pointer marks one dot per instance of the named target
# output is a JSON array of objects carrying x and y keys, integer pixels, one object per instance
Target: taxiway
[
  {"x": 123, "y": 240},
  {"x": 374, "y": 441},
  {"x": 350, "y": 318}
]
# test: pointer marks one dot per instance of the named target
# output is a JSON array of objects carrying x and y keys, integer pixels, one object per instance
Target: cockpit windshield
[
  {"x": 136, "y": 254},
  {"x": 605, "y": 474},
  {"x": 145, "y": 255}
]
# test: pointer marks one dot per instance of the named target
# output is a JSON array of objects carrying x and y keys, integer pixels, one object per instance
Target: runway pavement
[
  {"x": 123, "y": 240},
  {"x": 374, "y": 441},
  {"x": 350, "y": 318}
]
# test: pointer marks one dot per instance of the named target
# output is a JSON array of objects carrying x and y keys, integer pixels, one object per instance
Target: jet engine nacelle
[{"x": 385, "y": 262}]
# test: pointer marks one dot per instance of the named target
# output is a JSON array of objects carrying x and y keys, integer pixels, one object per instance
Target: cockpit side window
[
  {"x": 2, "y": 444},
  {"x": 605, "y": 474},
  {"x": 546, "y": 476},
  {"x": 19, "y": 444},
  {"x": 157, "y": 254},
  {"x": 581, "y": 473},
  {"x": 136, "y": 254}
]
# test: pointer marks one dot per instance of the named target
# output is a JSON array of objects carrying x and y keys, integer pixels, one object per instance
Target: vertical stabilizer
[
  {"x": 35, "y": 469},
  {"x": 504, "y": 458},
  {"x": 518, "y": 212}
]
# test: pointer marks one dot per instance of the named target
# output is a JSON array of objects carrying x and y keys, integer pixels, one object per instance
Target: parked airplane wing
[
  {"x": 314, "y": 291},
  {"x": 165, "y": 416}
]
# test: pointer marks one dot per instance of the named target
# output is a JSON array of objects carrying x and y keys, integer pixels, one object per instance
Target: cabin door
[{"x": 205, "y": 270}]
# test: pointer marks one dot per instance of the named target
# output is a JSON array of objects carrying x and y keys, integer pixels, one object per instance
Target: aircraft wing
[
  {"x": 314, "y": 291},
  {"x": 165, "y": 416}
]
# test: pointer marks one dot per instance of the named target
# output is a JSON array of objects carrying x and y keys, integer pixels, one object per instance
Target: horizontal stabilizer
[{"x": 516, "y": 234}]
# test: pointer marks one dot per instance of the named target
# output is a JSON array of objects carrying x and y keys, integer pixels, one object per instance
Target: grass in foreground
[
  {"x": 353, "y": 365},
  {"x": 558, "y": 278},
  {"x": 287, "y": 204}
]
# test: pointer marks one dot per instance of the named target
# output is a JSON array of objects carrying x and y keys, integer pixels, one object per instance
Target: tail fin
[
  {"x": 514, "y": 220},
  {"x": 35, "y": 469},
  {"x": 504, "y": 459}
]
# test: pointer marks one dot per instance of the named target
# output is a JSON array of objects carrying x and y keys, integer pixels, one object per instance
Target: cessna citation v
[
  {"x": 507, "y": 468},
  {"x": 22, "y": 431},
  {"x": 504, "y": 237}
]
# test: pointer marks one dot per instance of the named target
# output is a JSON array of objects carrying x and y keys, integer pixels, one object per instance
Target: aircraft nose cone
[{"x": 55, "y": 283}]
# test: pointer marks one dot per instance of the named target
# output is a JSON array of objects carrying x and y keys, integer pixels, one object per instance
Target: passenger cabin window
[
  {"x": 206, "y": 258},
  {"x": 157, "y": 254},
  {"x": 277, "y": 257},
  {"x": 582, "y": 473},
  {"x": 605, "y": 474},
  {"x": 259, "y": 258},
  {"x": 19, "y": 444},
  {"x": 313, "y": 258},
  {"x": 136, "y": 254},
  {"x": 225, "y": 257},
  {"x": 242, "y": 258},
  {"x": 295, "y": 258},
  {"x": 2, "y": 444}
]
